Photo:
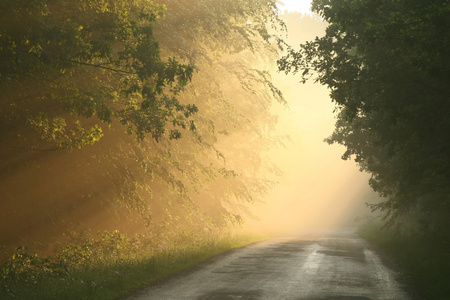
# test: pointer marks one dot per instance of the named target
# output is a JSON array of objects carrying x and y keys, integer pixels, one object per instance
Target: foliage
[
  {"x": 203, "y": 181},
  {"x": 107, "y": 267},
  {"x": 88, "y": 58},
  {"x": 222, "y": 39},
  {"x": 387, "y": 68},
  {"x": 214, "y": 172},
  {"x": 219, "y": 27},
  {"x": 426, "y": 264}
]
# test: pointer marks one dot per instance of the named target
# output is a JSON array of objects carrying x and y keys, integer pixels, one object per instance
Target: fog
[{"x": 317, "y": 188}]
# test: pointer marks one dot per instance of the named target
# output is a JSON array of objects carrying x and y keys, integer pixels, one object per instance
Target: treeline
[
  {"x": 387, "y": 67},
  {"x": 119, "y": 114}
]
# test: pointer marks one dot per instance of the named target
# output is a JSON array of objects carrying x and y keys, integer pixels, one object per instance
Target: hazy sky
[{"x": 302, "y": 6}]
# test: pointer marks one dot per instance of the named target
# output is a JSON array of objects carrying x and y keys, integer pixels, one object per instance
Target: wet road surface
[{"x": 334, "y": 265}]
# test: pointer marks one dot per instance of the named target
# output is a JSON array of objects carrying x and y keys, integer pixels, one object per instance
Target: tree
[
  {"x": 205, "y": 180},
  {"x": 66, "y": 62},
  {"x": 387, "y": 68},
  {"x": 222, "y": 39}
]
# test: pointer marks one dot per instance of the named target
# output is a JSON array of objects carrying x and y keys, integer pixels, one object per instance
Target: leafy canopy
[{"x": 88, "y": 58}]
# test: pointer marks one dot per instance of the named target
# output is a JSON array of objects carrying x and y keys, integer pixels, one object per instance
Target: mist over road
[{"x": 328, "y": 265}]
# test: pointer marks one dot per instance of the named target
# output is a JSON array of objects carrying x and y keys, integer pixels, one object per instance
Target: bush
[{"x": 422, "y": 256}]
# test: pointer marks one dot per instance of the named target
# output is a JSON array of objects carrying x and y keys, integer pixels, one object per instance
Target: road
[{"x": 328, "y": 265}]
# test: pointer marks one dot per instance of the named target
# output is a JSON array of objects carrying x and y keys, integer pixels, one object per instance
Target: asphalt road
[{"x": 327, "y": 265}]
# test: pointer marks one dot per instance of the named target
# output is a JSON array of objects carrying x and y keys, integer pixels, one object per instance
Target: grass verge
[
  {"x": 424, "y": 259},
  {"x": 27, "y": 276}
]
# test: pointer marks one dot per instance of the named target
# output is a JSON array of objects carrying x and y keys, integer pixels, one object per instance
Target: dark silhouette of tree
[{"x": 387, "y": 67}]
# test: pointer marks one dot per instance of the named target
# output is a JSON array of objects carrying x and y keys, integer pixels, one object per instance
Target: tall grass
[
  {"x": 424, "y": 258},
  {"x": 107, "y": 268}
]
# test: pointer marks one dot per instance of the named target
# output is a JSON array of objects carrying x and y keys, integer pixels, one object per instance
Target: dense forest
[{"x": 132, "y": 114}]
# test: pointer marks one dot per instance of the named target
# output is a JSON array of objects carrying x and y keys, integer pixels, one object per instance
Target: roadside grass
[
  {"x": 105, "y": 273},
  {"x": 424, "y": 259}
]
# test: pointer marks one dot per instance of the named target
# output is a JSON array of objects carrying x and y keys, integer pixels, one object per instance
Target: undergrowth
[
  {"x": 110, "y": 266},
  {"x": 424, "y": 258}
]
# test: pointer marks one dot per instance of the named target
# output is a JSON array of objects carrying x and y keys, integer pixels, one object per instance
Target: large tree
[
  {"x": 387, "y": 67},
  {"x": 204, "y": 180}
]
